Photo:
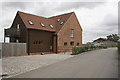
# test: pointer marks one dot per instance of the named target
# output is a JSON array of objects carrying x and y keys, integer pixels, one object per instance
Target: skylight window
[
  {"x": 42, "y": 25},
  {"x": 30, "y": 22},
  {"x": 61, "y": 22},
  {"x": 58, "y": 20},
  {"x": 51, "y": 26}
]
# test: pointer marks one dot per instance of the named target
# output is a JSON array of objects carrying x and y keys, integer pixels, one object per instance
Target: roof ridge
[
  {"x": 31, "y": 14},
  {"x": 61, "y": 15}
]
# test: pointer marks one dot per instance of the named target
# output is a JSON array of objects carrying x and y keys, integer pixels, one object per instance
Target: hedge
[{"x": 78, "y": 50}]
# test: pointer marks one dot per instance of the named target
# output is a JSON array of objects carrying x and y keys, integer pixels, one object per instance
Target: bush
[
  {"x": 78, "y": 50},
  {"x": 75, "y": 50},
  {"x": 104, "y": 47}
]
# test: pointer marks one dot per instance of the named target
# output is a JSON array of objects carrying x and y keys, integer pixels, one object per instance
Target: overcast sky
[{"x": 97, "y": 19}]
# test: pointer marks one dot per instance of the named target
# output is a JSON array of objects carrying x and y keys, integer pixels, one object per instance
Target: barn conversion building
[{"x": 54, "y": 34}]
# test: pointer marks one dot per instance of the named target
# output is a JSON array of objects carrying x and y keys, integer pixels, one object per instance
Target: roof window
[
  {"x": 30, "y": 22},
  {"x": 58, "y": 20},
  {"x": 61, "y": 23},
  {"x": 51, "y": 26},
  {"x": 42, "y": 25}
]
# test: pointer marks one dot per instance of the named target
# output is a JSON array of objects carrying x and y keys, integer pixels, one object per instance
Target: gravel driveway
[{"x": 12, "y": 66}]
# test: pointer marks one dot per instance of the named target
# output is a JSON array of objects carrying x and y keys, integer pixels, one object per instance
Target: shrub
[
  {"x": 75, "y": 50},
  {"x": 78, "y": 50},
  {"x": 104, "y": 47},
  {"x": 91, "y": 47}
]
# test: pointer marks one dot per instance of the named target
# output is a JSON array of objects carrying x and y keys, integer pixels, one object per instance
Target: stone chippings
[{"x": 16, "y": 65}]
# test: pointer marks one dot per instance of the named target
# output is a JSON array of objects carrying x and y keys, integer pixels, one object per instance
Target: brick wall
[{"x": 64, "y": 34}]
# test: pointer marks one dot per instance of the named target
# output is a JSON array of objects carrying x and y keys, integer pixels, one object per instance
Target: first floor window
[
  {"x": 72, "y": 33},
  {"x": 18, "y": 26}
]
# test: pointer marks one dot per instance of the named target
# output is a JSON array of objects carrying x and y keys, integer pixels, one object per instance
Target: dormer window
[
  {"x": 58, "y": 20},
  {"x": 61, "y": 23},
  {"x": 51, "y": 26},
  {"x": 30, "y": 22},
  {"x": 42, "y": 25}
]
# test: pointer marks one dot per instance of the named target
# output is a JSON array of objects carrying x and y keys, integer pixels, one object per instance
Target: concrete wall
[{"x": 13, "y": 49}]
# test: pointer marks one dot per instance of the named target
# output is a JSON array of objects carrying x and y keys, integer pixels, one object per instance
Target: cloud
[
  {"x": 75, "y": 5},
  {"x": 97, "y": 19},
  {"x": 119, "y": 18},
  {"x": 21, "y": 5},
  {"x": 110, "y": 20}
]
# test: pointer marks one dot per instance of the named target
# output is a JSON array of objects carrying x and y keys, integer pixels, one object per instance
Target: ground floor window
[
  {"x": 65, "y": 43},
  {"x": 37, "y": 42},
  {"x": 71, "y": 43},
  {"x": 77, "y": 44}
]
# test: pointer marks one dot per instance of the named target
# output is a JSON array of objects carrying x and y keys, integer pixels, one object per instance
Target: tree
[{"x": 113, "y": 37}]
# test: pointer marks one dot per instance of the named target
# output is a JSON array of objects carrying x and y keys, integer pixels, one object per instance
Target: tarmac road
[{"x": 93, "y": 64}]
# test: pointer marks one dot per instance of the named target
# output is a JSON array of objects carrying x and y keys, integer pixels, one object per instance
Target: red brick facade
[{"x": 64, "y": 34}]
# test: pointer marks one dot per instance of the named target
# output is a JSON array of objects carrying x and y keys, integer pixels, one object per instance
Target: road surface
[{"x": 93, "y": 64}]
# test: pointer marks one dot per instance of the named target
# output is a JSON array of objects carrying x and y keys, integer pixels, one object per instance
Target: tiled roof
[
  {"x": 100, "y": 40},
  {"x": 37, "y": 20}
]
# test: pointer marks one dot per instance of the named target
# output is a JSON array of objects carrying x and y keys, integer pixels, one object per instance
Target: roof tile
[{"x": 46, "y": 21}]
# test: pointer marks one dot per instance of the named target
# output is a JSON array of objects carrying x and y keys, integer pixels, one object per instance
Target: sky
[{"x": 97, "y": 19}]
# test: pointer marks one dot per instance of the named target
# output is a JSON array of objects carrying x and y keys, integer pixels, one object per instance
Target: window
[
  {"x": 72, "y": 33},
  {"x": 65, "y": 43},
  {"x": 58, "y": 20},
  {"x": 17, "y": 40},
  {"x": 30, "y": 22},
  {"x": 51, "y": 26},
  {"x": 37, "y": 42},
  {"x": 34, "y": 42},
  {"x": 42, "y": 25},
  {"x": 77, "y": 44},
  {"x": 18, "y": 26},
  {"x": 61, "y": 23},
  {"x": 72, "y": 43}
]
